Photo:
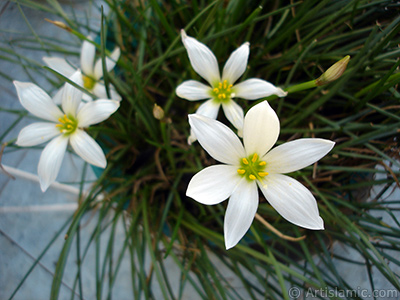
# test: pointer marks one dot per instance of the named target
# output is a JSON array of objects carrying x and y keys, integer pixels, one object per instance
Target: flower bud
[
  {"x": 158, "y": 112},
  {"x": 334, "y": 72},
  {"x": 60, "y": 24}
]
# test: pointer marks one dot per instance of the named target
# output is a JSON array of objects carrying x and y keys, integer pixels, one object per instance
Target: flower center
[
  {"x": 88, "y": 82},
  {"x": 67, "y": 125},
  {"x": 222, "y": 91},
  {"x": 252, "y": 168}
]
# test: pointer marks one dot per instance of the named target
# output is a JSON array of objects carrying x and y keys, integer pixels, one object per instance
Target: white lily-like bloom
[
  {"x": 254, "y": 164},
  {"x": 221, "y": 89},
  {"x": 92, "y": 72},
  {"x": 63, "y": 127}
]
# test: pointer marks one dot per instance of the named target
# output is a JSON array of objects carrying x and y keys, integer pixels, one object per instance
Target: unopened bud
[
  {"x": 158, "y": 112},
  {"x": 60, "y": 24},
  {"x": 334, "y": 72}
]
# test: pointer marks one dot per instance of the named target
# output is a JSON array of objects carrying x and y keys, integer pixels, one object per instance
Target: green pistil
[
  {"x": 222, "y": 91},
  {"x": 252, "y": 168},
  {"x": 67, "y": 125}
]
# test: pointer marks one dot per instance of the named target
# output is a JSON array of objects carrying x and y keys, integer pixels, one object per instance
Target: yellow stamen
[
  {"x": 66, "y": 125},
  {"x": 252, "y": 168},
  {"x": 88, "y": 82},
  {"x": 222, "y": 91}
]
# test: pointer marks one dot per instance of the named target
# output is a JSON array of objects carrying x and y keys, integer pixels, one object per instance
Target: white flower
[
  {"x": 64, "y": 126},
  {"x": 221, "y": 90},
  {"x": 254, "y": 164},
  {"x": 91, "y": 73}
]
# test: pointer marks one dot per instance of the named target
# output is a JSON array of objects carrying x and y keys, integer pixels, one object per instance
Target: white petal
[
  {"x": 202, "y": 59},
  {"x": 57, "y": 99},
  {"x": 110, "y": 63},
  {"x": 86, "y": 98},
  {"x": 60, "y": 65},
  {"x": 242, "y": 207},
  {"x": 214, "y": 184},
  {"x": 193, "y": 90},
  {"x": 234, "y": 113},
  {"x": 96, "y": 111},
  {"x": 236, "y": 64},
  {"x": 72, "y": 96},
  {"x": 297, "y": 154},
  {"x": 87, "y": 148},
  {"x": 36, "y": 134},
  {"x": 88, "y": 53},
  {"x": 209, "y": 109},
  {"x": 254, "y": 88},
  {"x": 99, "y": 90},
  {"x": 292, "y": 200},
  {"x": 261, "y": 129},
  {"x": 50, "y": 161},
  {"x": 217, "y": 139},
  {"x": 37, "y": 102}
]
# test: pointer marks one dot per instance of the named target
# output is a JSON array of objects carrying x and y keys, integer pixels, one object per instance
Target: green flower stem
[
  {"x": 296, "y": 88},
  {"x": 301, "y": 87}
]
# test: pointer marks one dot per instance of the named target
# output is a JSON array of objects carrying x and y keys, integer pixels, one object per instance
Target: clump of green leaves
[{"x": 150, "y": 162}]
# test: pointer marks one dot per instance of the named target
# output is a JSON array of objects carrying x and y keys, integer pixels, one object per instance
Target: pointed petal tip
[
  {"x": 191, "y": 140},
  {"x": 116, "y": 52},
  {"x": 229, "y": 245},
  {"x": 321, "y": 224},
  {"x": 332, "y": 143},
  {"x": 184, "y": 36},
  {"x": 18, "y": 141},
  {"x": 191, "y": 116},
  {"x": 318, "y": 224},
  {"x": 103, "y": 165},
  {"x": 18, "y": 83},
  {"x": 44, "y": 186},
  {"x": 281, "y": 93},
  {"x": 46, "y": 59}
]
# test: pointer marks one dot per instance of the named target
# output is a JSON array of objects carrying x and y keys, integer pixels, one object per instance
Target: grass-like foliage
[{"x": 150, "y": 162}]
